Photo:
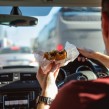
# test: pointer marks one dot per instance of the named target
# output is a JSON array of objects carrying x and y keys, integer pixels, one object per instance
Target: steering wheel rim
[
  {"x": 88, "y": 62},
  {"x": 100, "y": 64}
]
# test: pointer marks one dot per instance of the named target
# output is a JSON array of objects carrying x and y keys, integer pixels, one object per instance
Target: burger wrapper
[{"x": 72, "y": 54}]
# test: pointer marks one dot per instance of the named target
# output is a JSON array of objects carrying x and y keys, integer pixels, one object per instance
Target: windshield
[{"x": 80, "y": 26}]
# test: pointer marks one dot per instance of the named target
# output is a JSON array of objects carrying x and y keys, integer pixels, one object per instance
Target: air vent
[
  {"x": 6, "y": 77},
  {"x": 27, "y": 76}
]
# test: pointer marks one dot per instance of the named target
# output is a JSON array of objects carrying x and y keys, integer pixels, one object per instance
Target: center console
[{"x": 18, "y": 100}]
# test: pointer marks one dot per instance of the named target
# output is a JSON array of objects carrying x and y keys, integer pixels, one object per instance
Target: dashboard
[{"x": 19, "y": 88}]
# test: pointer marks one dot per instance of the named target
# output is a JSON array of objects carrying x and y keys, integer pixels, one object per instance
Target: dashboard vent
[
  {"x": 6, "y": 77},
  {"x": 27, "y": 76}
]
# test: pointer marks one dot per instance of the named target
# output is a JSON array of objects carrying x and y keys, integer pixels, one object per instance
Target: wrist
[
  {"x": 46, "y": 97},
  {"x": 49, "y": 93},
  {"x": 44, "y": 100}
]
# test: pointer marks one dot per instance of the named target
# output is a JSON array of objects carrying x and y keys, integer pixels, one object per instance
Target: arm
[
  {"x": 47, "y": 83},
  {"x": 95, "y": 55}
]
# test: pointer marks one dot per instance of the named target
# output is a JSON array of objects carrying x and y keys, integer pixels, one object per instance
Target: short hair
[{"x": 105, "y": 6}]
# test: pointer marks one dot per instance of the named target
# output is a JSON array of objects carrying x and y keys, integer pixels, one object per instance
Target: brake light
[
  {"x": 15, "y": 48},
  {"x": 60, "y": 47}
]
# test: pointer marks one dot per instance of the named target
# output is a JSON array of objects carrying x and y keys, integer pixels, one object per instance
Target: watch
[{"x": 45, "y": 100}]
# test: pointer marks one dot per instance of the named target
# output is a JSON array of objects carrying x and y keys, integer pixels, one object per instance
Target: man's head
[{"x": 105, "y": 23}]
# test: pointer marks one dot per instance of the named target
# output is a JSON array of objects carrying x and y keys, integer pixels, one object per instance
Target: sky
[{"x": 22, "y": 35}]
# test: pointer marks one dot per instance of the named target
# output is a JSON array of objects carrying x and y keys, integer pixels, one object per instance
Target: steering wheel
[
  {"x": 76, "y": 65},
  {"x": 83, "y": 70}
]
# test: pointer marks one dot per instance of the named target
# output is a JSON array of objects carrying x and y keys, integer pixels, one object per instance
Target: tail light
[
  {"x": 15, "y": 48},
  {"x": 59, "y": 47}
]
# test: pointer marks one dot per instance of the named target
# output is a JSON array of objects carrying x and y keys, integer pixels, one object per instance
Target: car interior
[{"x": 22, "y": 21}]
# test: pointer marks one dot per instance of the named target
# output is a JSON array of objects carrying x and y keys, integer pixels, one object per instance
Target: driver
[{"x": 92, "y": 94}]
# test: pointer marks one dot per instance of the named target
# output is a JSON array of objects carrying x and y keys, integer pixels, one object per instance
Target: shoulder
[{"x": 77, "y": 92}]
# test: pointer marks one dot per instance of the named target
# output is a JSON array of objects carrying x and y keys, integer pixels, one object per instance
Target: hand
[
  {"x": 47, "y": 79},
  {"x": 87, "y": 53}
]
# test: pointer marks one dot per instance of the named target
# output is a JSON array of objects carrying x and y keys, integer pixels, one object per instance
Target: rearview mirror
[{"x": 17, "y": 20}]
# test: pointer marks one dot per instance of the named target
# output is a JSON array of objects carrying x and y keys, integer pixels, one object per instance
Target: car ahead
[{"x": 17, "y": 56}]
